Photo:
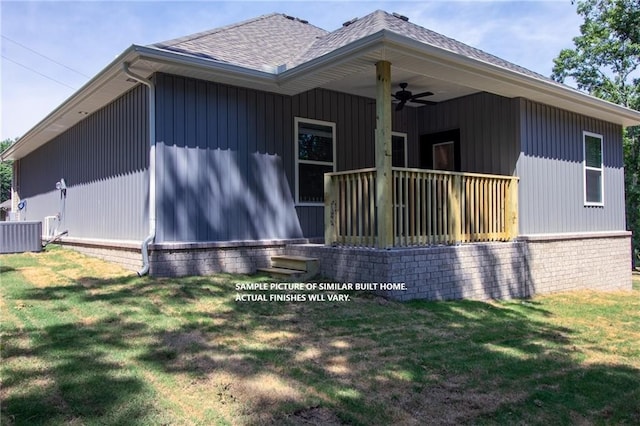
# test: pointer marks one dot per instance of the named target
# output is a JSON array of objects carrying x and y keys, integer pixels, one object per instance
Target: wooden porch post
[{"x": 384, "y": 173}]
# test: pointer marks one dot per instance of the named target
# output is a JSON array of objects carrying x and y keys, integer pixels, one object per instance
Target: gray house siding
[
  {"x": 488, "y": 131},
  {"x": 104, "y": 162},
  {"x": 551, "y": 172},
  {"x": 221, "y": 163},
  {"x": 226, "y": 166}
]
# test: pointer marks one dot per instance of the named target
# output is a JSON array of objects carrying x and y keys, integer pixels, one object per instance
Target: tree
[
  {"x": 6, "y": 172},
  {"x": 605, "y": 62}
]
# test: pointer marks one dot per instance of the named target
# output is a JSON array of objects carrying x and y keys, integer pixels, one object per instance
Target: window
[
  {"x": 593, "y": 169},
  {"x": 398, "y": 149},
  {"x": 440, "y": 151},
  {"x": 315, "y": 156},
  {"x": 443, "y": 156}
]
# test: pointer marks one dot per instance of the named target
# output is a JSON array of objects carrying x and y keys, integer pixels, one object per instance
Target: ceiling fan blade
[
  {"x": 422, "y": 101},
  {"x": 400, "y": 106},
  {"x": 420, "y": 95}
]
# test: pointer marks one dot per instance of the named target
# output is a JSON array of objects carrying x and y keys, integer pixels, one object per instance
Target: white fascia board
[{"x": 164, "y": 57}]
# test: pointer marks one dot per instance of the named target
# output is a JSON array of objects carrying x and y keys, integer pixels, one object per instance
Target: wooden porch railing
[{"x": 429, "y": 207}]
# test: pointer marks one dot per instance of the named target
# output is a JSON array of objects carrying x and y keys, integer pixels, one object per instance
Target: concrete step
[{"x": 297, "y": 263}]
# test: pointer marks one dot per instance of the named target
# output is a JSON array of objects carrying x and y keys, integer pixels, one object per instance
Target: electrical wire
[
  {"x": 38, "y": 72},
  {"x": 44, "y": 56}
]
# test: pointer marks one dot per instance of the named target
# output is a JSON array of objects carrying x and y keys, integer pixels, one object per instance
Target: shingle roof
[
  {"x": 262, "y": 43},
  {"x": 269, "y": 41},
  {"x": 381, "y": 20}
]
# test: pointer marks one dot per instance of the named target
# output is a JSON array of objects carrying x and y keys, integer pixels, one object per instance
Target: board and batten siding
[
  {"x": 104, "y": 162},
  {"x": 226, "y": 165},
  {"x": 488, "y": 131},
  {"x": 221, "y": 163},
  {"x": 551, "y": 190}
]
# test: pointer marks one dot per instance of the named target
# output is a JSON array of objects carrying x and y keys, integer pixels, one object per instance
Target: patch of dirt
[
  {"x": 450, "y": 402},
  {"x": 184, "y": 341},
  {"x": 315, "y": 416}
]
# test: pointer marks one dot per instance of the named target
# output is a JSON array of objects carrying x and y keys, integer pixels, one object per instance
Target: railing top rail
[
  {"x": 426, "y": 171},
  {"x": 352, "y": 172},
  {"x": 444, "y": 172}
]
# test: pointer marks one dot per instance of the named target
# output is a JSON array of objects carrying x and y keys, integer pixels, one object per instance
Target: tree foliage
[
  {"x": 605, "y": 62},
  {"x": 6, "y": 172},
  {"x": 606, "y": 58}
]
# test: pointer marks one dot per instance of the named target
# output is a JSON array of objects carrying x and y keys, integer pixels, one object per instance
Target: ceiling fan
[{"x": 405, "y": 96}]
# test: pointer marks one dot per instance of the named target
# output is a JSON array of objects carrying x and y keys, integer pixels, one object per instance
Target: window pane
[
  {"x": 397, "y": 155},
  {"x": 593, "y": 182},
  {"x": 311, "y": 183},
  {"x": 443, "y": 156},
  {"x": 315, "y": 142},
  {"x": 593, "y": 151}
]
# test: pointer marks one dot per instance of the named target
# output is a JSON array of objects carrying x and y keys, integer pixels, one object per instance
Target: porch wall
[
  {"x": 489, "y": 140},
  {"x": 485, "y": 270}
]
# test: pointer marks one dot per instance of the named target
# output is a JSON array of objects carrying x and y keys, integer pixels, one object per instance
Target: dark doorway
[{"x": 440, "y": 151}]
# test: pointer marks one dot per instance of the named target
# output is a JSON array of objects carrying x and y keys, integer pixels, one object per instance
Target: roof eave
[
  {"x": 132, "y": 55},
  {"x": 567, "y": 96},
  {"x": 86, "y": 90},
  {"x": 161, "y": 56},
  {"x": 376, "y": 46},
  {"x": 499, "y": 80}
]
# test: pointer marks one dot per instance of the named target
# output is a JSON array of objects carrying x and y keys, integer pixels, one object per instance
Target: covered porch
[{"x": 388, "y": 206}]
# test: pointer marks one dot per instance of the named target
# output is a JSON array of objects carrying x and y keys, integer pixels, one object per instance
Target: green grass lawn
[{"x": 84, "y": 342}]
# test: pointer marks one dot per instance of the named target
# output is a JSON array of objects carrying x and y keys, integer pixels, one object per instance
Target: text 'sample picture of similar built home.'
[{"x": 386, "y": 151}]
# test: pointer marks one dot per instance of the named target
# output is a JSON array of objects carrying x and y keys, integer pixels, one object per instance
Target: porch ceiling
[{"x": 363, "y": 84}]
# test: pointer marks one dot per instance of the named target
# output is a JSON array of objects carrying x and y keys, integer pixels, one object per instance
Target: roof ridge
[{"x": 205, "y": 33}]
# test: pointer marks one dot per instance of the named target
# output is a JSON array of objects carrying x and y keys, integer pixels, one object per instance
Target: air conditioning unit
[{"x": 49, "y": 226}]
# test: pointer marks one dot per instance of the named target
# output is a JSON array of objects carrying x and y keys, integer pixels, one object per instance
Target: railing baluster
[
  {"x": 359, "y": 215},
  {"x": 372, "y": 208},
  {"x": 429, "y": 207},
  {"x": 405, "y": 204}
]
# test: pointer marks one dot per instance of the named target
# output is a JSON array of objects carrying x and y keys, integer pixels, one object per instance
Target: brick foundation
[
  {"x": 593, "y": 261},
  {"x": 532, "y": 265},
  {"x": 241, "y": 257},
  {"x": 124, "y": 253},
  {"x": 470, "y": 271}
]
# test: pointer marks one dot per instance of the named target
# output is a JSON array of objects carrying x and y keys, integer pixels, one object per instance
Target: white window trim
[
  {"x": 404, "y": 136},
  {"x": 585, "y": 168},
  {"x": 296, "y": 122}
]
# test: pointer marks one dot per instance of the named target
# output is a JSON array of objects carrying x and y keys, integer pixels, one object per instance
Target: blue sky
[{"x": 86, "y": 35}]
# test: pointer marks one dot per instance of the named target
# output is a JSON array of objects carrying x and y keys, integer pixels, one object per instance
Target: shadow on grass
[
  {"x": 4, "y": 269},
  {"x": 68, "y": 376},
  {"x": 367, "y": 361}
]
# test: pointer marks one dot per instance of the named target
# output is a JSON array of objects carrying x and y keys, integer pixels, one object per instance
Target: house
[{"x": 388, "y": 151}]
